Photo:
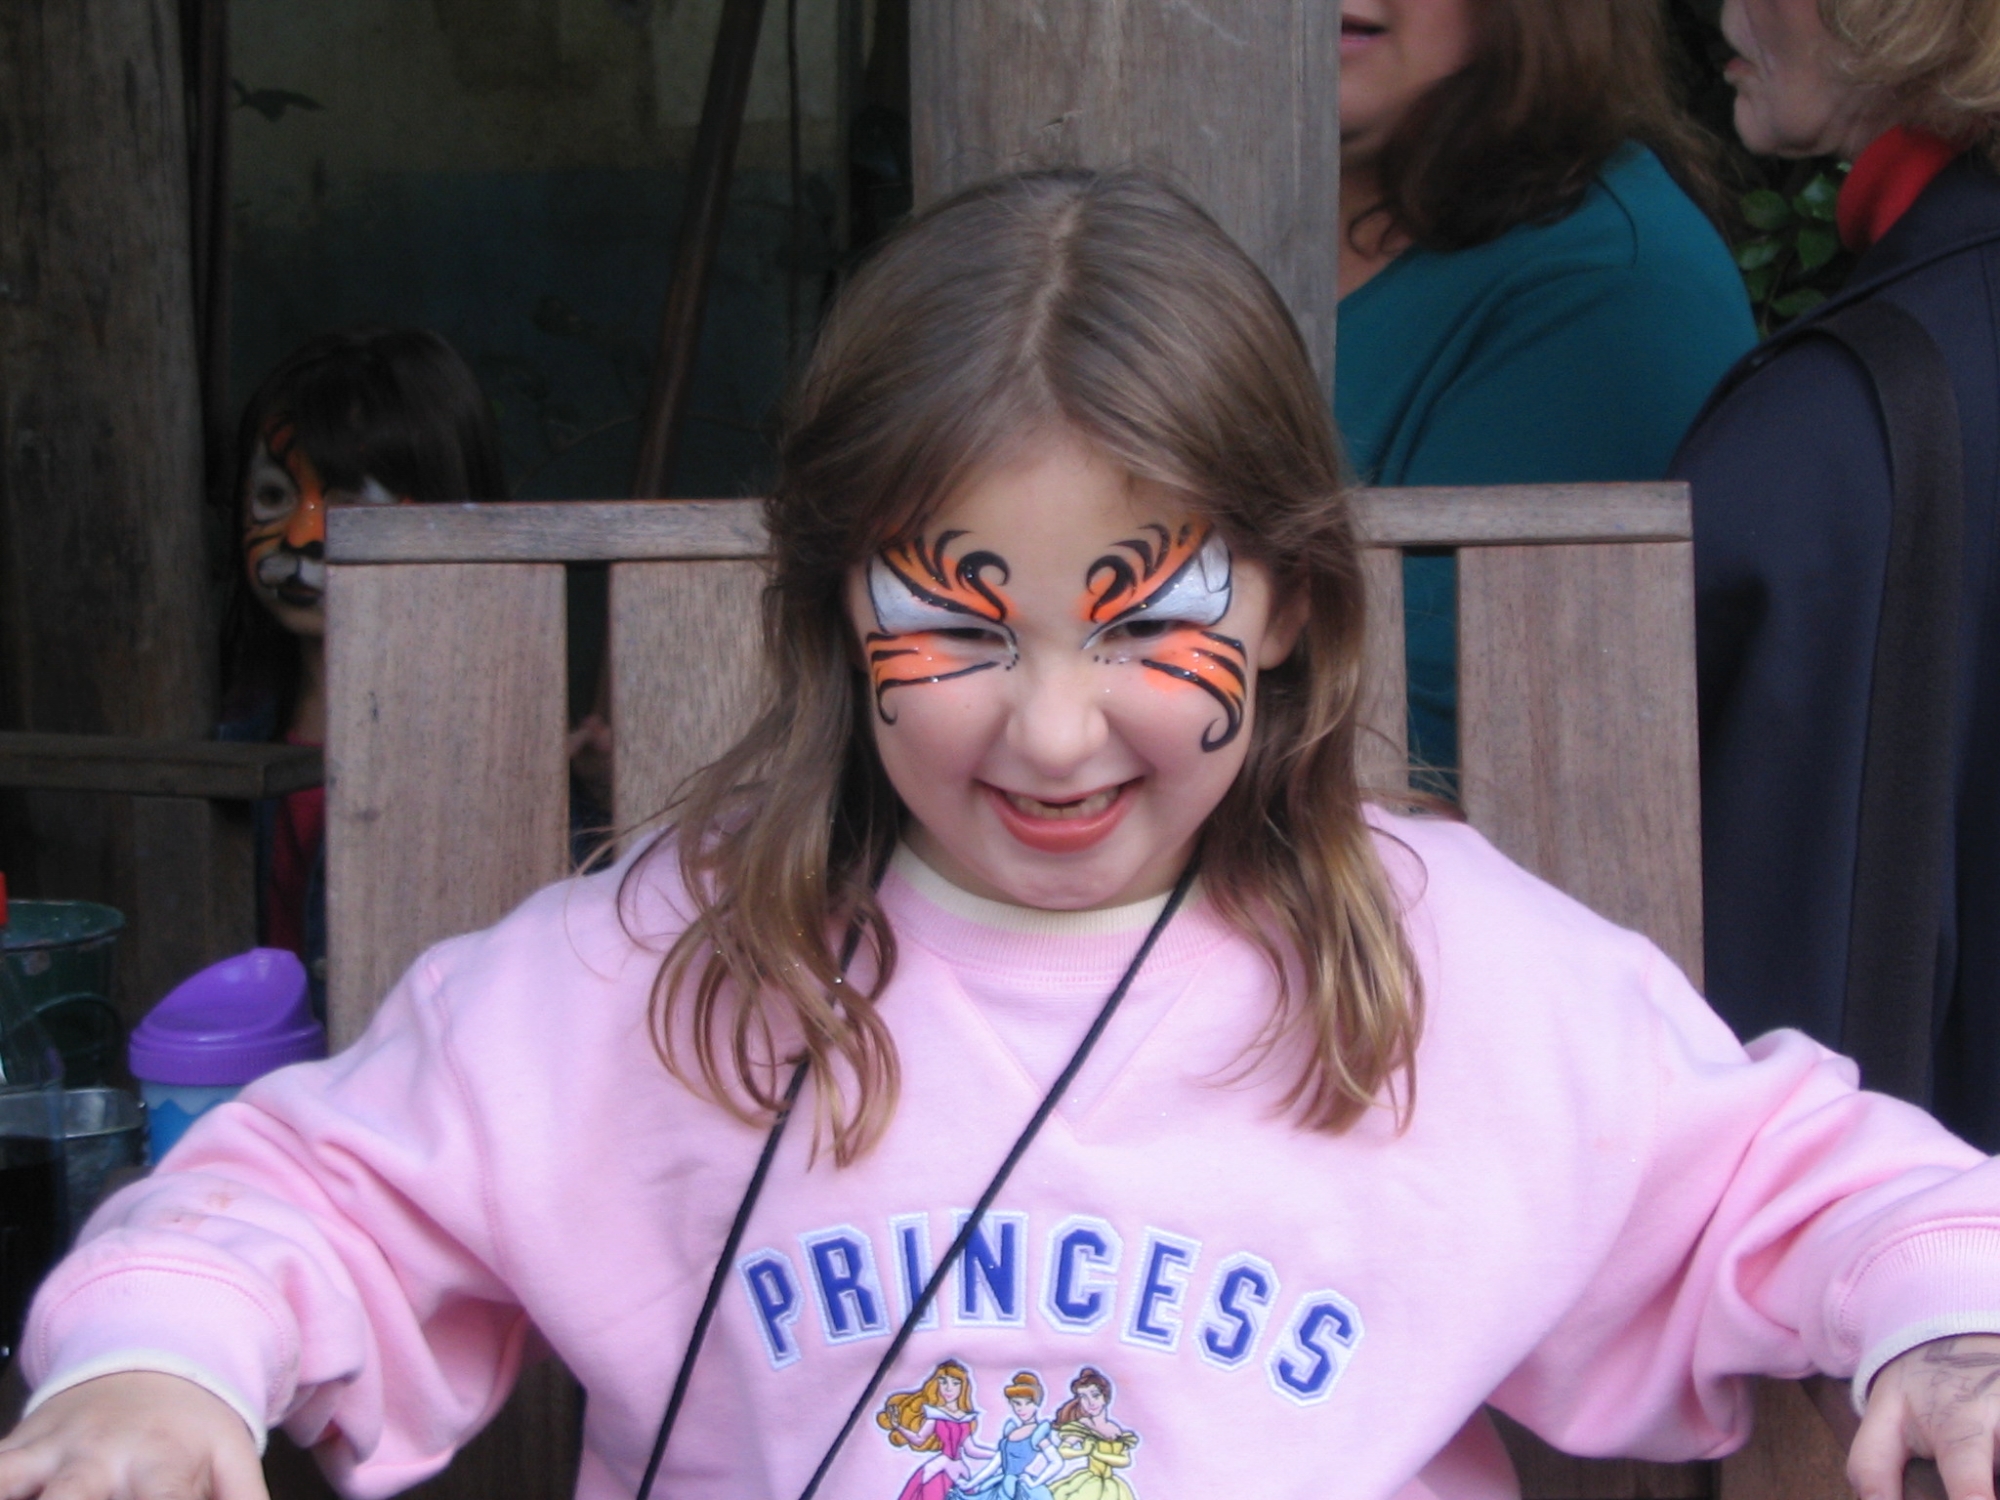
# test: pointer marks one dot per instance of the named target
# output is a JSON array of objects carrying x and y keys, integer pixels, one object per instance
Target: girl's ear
[{"x": 1288, "y": 619}]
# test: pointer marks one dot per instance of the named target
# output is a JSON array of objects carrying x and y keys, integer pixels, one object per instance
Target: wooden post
[
  {"x": 1237, "y": 100},
  {"x": 105, "y": 626}
]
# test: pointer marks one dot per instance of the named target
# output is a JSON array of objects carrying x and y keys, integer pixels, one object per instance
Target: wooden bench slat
[
  {"x": 1577, "y": 727},
  {"x": 663, "y": 530},
  {"x": 687, "y": 673},
  {"x": 155, "y": 768},
  {"x": 1382, "y": 754},
  {"x": 446, "y": 765}
]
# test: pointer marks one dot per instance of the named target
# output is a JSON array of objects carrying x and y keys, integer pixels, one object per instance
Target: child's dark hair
[
  {"x": 1108, "y": 306},
  {"x": 398, "y": 405}
]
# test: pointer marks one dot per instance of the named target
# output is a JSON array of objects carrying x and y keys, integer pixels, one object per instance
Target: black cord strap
[
  {"x": 1020, "y": 1148},
  {"x": 751, "y": 1193},
  {"x": 928, "y": 1295}
]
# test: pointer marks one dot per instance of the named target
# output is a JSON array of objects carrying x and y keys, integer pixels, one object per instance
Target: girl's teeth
[{"x": 1087, "y": 807}]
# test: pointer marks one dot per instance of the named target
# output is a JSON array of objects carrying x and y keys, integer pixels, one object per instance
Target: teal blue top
[{"x": 1575, "y": 350}]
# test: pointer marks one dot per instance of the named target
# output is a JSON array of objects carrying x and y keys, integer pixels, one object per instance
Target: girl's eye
[
  {"x": 971, "y": 633},
  {"x": 1148, "y": 630}
]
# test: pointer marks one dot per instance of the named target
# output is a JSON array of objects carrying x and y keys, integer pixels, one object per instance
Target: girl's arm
[
  {"x": 1778, "y": 1221},
  {"x": 328, "y": 1227}
]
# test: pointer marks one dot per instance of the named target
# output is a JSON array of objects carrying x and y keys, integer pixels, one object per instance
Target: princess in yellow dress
[{"x": 1085, "y": 1430}]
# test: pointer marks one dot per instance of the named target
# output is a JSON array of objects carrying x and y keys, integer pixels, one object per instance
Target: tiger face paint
[
  {"x": 284, "y": 529},
  {"x": 1153, "y": 598},
  {"x": 937, "y": 617},
  {"x": 1063, "y": 676}
]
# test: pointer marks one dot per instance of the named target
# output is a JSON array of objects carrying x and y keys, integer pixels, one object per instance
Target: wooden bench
[{"x": 448, "y": 787}]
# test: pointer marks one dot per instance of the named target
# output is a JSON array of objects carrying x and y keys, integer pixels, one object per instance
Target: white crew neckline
[{"x": 1004, "y": 916}]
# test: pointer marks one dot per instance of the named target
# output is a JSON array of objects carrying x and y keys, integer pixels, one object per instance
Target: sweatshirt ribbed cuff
[
  {"x": 153, "y": 1362},
  {"x": 1941, "y": 1281}
]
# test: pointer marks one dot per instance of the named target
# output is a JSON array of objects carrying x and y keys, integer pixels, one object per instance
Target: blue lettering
[
  {"x": 1080, "y": 1274},
  {"x": 1163, "y": 1276},
  {"x": 843, "y": 1266},
  {"x": 912, "y": 1234},
  {"x": 1324, "y": 1331},
  {"x": 992, "y": 1273},
  {"x": 1238, "y": 1302},
  {"x": 773, "y": 1288}
]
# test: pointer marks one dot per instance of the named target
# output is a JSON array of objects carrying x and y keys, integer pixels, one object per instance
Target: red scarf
[{"x": 1887, "y": 178}]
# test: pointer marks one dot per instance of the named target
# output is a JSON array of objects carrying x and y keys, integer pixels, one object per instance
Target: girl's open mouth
[{"x": 1065, "y": 827}]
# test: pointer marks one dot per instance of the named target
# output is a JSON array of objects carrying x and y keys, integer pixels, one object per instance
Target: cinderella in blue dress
[{"x": 1005, "y": 1477}]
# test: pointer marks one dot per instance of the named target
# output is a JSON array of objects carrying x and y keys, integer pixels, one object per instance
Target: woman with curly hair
[
  {"x": 1794, "y": 497},
  {"x": 1530, "y": 289}
]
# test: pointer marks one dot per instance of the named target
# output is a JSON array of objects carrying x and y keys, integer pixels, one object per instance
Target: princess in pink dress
[{"x": 937, "y": 1419}]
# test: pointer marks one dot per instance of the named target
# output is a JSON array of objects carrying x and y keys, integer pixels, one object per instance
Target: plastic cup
[
  {"x": 104, "y": 1145},
  {"x": 62, "y": 952},
  {"x": 233, "y": 1022}
]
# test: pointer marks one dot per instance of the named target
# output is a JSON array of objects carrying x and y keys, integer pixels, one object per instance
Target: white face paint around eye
[
  {"x": 1197, "y": 592},
  {"x": 914, "y": 589},
  {"x": 899, "y": 609}
]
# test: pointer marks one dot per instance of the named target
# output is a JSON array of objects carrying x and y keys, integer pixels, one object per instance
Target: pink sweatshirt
[{"x": 1602, "y": 1212}]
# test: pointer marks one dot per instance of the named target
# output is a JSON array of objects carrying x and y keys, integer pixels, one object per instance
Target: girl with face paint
[
  {"x": 1064, "y": 628},
  {"x": 368, "y": 417}
]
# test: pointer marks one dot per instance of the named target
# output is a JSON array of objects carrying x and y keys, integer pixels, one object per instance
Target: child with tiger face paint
[
  {"x": 1063, "y": 666},
  {"x": 371, "y": 417}
]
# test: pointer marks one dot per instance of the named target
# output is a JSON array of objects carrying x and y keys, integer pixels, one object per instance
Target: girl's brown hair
[
  {"x": 1519, "y": 133},
  {"x": 1110, "y": 306},
  {"x": 1940, "y": 59}
]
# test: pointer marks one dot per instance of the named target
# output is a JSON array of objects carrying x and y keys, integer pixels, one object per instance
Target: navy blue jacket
[{"x": 1791, "y": 517}]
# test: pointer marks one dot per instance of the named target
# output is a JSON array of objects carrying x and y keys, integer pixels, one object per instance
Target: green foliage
[{"x": 1790, "y": 254}]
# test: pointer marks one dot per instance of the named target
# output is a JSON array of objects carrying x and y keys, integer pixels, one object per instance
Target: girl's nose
[
  {"x": 307, "y": 526},
  {"x": 1058, "y": 720}
]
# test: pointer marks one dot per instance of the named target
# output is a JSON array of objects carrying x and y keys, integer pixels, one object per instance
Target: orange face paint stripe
[
  {"x": 938, "y": 591},
  {"x": 1218, "y": 665}
]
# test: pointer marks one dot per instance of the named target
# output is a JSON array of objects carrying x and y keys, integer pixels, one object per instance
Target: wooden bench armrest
[
  {"x": 209, "y": 769},
  {"x": 1920, "y": 1480}
]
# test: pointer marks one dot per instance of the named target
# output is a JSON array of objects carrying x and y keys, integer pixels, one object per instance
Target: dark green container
[{"x": 62, "y": 952}]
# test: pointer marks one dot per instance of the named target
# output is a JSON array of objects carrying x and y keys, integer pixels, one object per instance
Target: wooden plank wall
[{"x": 1236, "y": 99}]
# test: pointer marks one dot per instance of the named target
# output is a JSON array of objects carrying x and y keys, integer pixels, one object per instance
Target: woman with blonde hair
[
  {"x": 1848, "y": 609},
  {"x": 938, "y": 1419}
]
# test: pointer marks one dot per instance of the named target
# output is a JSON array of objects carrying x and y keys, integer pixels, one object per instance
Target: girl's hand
[
  {"x": 135, "y": 1436},
  {"x": 1939, "y": 1400}
]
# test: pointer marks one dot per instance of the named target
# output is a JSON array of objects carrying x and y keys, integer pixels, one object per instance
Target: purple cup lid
[{"x": 232, "y": 1022}]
